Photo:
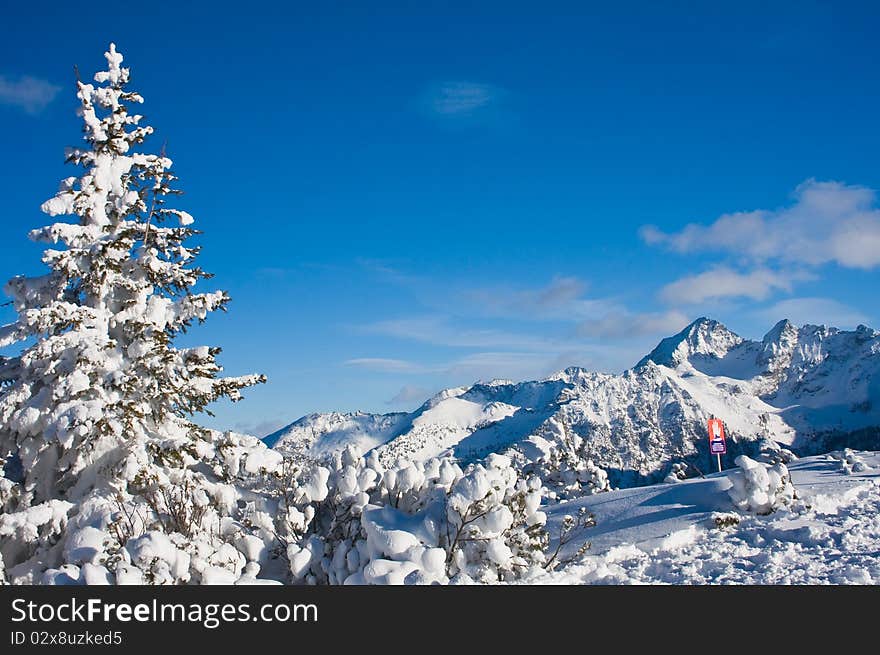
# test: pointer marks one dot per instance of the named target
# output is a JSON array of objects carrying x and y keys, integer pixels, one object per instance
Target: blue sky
[{"x": 404, "y": 197}]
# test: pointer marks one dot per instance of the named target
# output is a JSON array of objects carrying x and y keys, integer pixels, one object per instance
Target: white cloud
[
  {"x": 560, "y": 292},
  {"x": 408, "y": 395},
  {"x": 504, "y": 365},
  {"x": 625, "y": 325},
  {"x": 816, "y": 311},
  {"x": 723, "y": 282},
  {"x": 828, "y": 222},
  {"x": 260, "y": 429},
  {"x": 28, "y": 93},
  {"x": 384, "y": 365},
  {"x": 439, "y": 332},
  {"x": 562, "y": 299},
  {"x": 460, "y": 98}
]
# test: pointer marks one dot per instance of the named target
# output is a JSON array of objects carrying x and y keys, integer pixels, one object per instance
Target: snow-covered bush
[
  {"x": 355, "y": 522},
  {"x": 724, "y": 520},
  {"x": 182, "y": 523},
  {"x": 567, "y": 470},
  {"x": 759, "y": 488},
  {"x": 770, "y": 452},
  {"x": 571, "y": 528},
  {"x": 850, "y": 461},
  {"x": 677, "y": 473}
]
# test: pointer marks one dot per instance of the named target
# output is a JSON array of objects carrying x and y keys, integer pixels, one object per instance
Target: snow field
[{"x": 829, "y": 534}]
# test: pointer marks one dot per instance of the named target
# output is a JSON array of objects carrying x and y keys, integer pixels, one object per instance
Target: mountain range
[{"x": 806, "y": 389}]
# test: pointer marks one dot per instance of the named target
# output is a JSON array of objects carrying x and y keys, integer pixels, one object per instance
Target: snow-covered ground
[{"x": 667, "y": 533}]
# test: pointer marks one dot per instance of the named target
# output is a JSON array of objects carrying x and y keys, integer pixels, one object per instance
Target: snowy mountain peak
[
  {"x": 778, "y": 345},
  {"x": 809, "y": 388},
  {"x": 705, "y": 338},
  {"x": 499, "y": 382},
  {"x": 784, "y": 331},
  {"x": 571, "y": 375}
]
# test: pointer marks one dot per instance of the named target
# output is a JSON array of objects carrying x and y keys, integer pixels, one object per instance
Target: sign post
[{"x": 717, "y": 444}]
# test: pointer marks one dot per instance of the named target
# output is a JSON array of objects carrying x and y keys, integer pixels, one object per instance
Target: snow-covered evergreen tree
[
  {"x": 100, "y": 393},
  {"x": 108, "y": 479}
]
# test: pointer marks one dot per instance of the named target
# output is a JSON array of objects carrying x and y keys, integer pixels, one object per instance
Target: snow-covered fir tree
[
  {"x": 107, "y": 478},
  {"x": 100, "y": 392}
]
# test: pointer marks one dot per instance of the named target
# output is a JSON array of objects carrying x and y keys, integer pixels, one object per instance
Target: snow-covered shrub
[
  {"x": 355, "y": 522},
  {"x": 32, "y": 532},
  {"x": 722, "y": 520},
  {"x": 567, "y": 470},
  {"x": 759, "y": 488},
  {"x": 677, "y": 473},
  {"x": 571, "y": 528},
  {"x": 850, "y": 462},
  {"x": 771, "y": 452},
  {"x": 9, "y": 492},
  {"x": 495, "y": 529},
  {"x": 163, "y": 525}
]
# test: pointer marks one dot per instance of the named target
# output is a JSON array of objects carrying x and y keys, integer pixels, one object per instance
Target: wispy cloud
[
  {"x": 562, "y": 299},
  {"x": 408, "y": 395},
  {"x": 723, "y": 282},
  {"x": 497, "y": 323},
  {"x": 504, "y": 365},
  {"x": 827, "y": 222},
  {"x": 626, "y": 325},
  {"x": 438, "y": 331},
  {"x": 384, "y": 365},
  {"x": 30, "y": 94},
  {"x": 816, "y": 311},
  {"x": 260, "y": 428},
  {"x": 453, "y": 99}
]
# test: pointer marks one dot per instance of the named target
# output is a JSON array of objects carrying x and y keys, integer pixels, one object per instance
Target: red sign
[{"x": 717, "y": 445}]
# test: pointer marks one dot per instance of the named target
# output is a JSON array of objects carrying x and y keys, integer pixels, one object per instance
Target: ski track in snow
[{"x": 665, "y": 534}]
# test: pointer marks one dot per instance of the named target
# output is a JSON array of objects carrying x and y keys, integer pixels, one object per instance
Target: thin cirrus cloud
[
  {"x": 816, "y": 311},
  {"x": 30, "y": 94},
  {"x": 504, "y": 365},
  {"x": 827, "y": 222},
  {"x": 485, "y": 365},
  {"x": 260, "y": 428},
  {"x": 384, "y": 365},
  {"x": 561, "y": 299},
  {"x": 477, "y": 320},
  {"x": 626, "y": 325},
  {"x": 408, "y": 395},
  {"x": 460, "y": 99},
  {"x": 438, "y": 331},
  {"x": 478, "y": 364},
  {"x": 724, "y": 282}
]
